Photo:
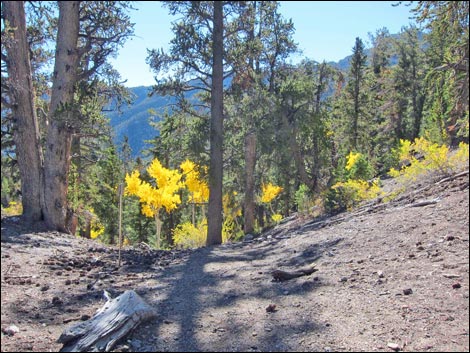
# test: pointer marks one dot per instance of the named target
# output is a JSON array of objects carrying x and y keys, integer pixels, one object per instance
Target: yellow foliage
[
  {"x": 270, "y": 192},
  {"x": 198, "y": 188},
  {"x": 459, "y": 160},
  {"x": 232, "y": 210},
  {"x": 186, "y": 235},
  {"x": 164, "y": 195},
  {"x": 351, "y": 159},
  {"x": 423, "y": 156},
  {"x": 354, "y": 191},
  {"x": 14, "y": 209},
  {"x": 96, "y": 227},
  {"x": 276, "y": 217},
  {"x": 133, "y": 183},
  {"x": 96, "y": 230}
]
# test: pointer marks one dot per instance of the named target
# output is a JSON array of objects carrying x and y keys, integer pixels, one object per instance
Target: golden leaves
[
  {"x": 167, "y": 184},
  {"x": 198, "y": 188},
  {"x": 270, "y": 192},
  {"x": 163, "y": 195}
]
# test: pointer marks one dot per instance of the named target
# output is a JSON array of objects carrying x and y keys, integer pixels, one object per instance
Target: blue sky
[{"x": 325, "y": 30}]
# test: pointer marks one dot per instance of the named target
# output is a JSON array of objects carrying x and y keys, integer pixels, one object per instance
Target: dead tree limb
[
  {"x": 452, "y": 177},
  {"x": 425, "y": 202},
  {"x": 280, "y": 276},
  {"x": 117, "y": 318}
]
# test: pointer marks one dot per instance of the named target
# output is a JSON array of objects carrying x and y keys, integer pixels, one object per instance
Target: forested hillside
[
  {"x": 135, "y": 121},
  {"x": 241, "y": 138}
]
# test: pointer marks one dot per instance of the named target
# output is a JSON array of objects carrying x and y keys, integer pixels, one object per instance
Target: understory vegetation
[{"x": 309, "y": 138}]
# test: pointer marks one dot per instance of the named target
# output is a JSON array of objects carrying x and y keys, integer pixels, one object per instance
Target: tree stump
[{"x": 117, "y": 318}]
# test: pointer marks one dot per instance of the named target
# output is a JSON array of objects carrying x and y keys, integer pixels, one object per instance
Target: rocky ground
[{"x": 391, "y": 277}]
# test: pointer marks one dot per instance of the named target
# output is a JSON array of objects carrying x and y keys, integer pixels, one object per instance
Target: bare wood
[
  {"x": 425, "y": 202},
  {"x": 458, "y": 175},
  {"x": 279, "y": 275},
  {"x": 117, "y": 318}
]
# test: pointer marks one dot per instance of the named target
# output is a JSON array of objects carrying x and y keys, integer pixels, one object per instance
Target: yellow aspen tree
[
  {"x": 198, "y": 189},
  {"x": 153, "y": 198},
  {"x": 269, "y": 193}
]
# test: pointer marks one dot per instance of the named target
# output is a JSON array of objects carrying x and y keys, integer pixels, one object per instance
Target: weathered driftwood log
[
  {"x": 279, "y": 276},
  {"x": 117, "y": 318}
]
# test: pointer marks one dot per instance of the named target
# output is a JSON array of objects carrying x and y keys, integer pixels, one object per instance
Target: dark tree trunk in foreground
[
  {"x": 215, "y": 219},
  {"x": 26, "y": 131},
  {"x": 61, "y": 119}
]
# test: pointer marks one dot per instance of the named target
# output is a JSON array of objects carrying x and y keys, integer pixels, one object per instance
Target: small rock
[
  {"x": 380, "y": 274},
  {"x": 456, "y": 285},
  {"x": 450, "y": 237},
  {"x": 123, "y": 348},
  {"x": 407, "y": 291},
  {"x": 343, "y": 279},
  {"x": 136, "y": 343},
  {"x": 11, "y": 330},
  {"x": 248, "y": 237},
  {"x": 393, "y": 346},
  {"x": 45, "y": 288},
  {"x": 271, "y": 308},
  {"x": 57, "y": 301}
]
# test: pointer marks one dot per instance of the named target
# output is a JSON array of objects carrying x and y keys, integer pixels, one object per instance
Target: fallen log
[
  {"x": 425, "y": 202},
  {"x": 280, "y": 276},
  {"x": 117, "y": 318}
]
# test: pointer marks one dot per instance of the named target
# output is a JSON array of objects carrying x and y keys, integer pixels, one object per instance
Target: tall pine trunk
[
  {"x": 250, "y": 162},
  {"x": 215, "y": 218},
  {"x": 61, "y": 119},
  {"x": 26, "y": 129}
]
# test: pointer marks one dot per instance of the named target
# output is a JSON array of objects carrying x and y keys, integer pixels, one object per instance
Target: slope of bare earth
[{"x": 391, "y": 276}]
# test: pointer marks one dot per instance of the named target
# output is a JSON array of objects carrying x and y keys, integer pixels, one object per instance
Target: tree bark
[
  {"x": 61, "y": 118},
  {"x": 26, "y": 131},
  {"x": 250, "y": 162},
  {"x": 295, "y": 148},
  {"x": 215, "y": 219}
]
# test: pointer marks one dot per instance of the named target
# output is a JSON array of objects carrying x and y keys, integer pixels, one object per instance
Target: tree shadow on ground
[
  {"x": 208, "y": 299},
  {"x": 199, "y": 300}
]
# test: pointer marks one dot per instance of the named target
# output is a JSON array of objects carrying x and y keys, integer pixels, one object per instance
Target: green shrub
[
  {"x": 358, "y": 167},
  {"x": 302, "y": 199},
  {"x": 345, "y": 195}
]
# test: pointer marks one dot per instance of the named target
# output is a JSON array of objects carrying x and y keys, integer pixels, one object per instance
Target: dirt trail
[{"x": 390, "y": 277}]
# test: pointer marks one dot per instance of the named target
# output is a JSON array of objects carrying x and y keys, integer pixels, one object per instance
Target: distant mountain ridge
[{"x": 134, "y": 121}]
